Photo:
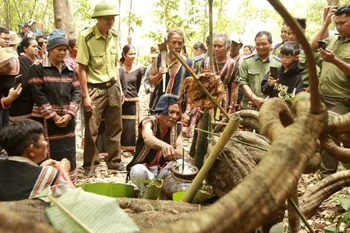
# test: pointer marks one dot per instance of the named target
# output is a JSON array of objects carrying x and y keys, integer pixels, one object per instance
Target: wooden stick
[
  {"x": 290, "y": 200},
  {"x": 163, "y": 50}
]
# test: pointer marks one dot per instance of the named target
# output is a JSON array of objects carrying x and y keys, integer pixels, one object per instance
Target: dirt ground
[{"x": 325, "y": 216}]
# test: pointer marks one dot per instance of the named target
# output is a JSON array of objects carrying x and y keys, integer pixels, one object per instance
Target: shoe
[
  {"x": 90, "y": 171},
  {"x": 116, "y": 166}
]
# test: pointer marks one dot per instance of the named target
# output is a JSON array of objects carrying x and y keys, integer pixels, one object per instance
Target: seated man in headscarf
[
  {"x": 159, "y": 143},
  {"x": 20, "y": 175}
]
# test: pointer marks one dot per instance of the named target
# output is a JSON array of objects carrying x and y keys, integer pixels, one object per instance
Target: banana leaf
[
  {"x": 111, "y": 189},
  {"x": 79, "y": 211}
]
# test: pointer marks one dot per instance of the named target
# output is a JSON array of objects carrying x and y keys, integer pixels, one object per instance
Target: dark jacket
[{"x": 288, "y": 81}]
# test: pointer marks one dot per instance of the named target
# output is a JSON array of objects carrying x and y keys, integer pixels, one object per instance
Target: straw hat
[
  {"x": 5, "y": 57},
  {"x": 14, "y": 38}
]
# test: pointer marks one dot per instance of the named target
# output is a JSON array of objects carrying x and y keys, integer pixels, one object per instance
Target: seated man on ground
[
  {"x": 159, "y": 143},
  {"x": 20, "y": 175}
]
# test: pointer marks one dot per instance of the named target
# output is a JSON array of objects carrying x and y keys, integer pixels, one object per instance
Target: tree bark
[
  {"x": 63, "y": 14},
  {"x": 146, "y": 213},
  {"x": 24, "y": 216}
]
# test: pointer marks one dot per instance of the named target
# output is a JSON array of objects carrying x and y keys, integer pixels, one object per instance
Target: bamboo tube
[
  {"x": 210, "y": 4},
  {"x": 196, "y": 183},
  {"x": 153, "y": 189}
]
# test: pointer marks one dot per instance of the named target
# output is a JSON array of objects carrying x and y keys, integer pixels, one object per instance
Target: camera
[{"x": 322, "y": 44}]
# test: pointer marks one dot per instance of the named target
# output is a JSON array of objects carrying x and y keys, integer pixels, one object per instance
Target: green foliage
[
  {"x": 13, "y": 12},
  {"x": 344, "y": 218},
  {"x": 82, "y": 14},
  {"x": 133, "y": 20}
]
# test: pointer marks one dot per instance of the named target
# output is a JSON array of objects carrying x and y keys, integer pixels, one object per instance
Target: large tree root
[
  {"x": 22, "y": 216},
  {"x": 19, "y": 216},
  {"x": 323, "y": 189},
  {"x": 236, "y": 161},
  {"x": 272, "y": 179}
]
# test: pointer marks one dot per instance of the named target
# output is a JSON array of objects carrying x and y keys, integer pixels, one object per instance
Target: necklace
[{"x": 127, "y": 68}]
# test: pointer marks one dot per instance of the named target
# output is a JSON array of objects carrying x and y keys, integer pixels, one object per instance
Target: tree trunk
[{"x": 64, "y": 17}]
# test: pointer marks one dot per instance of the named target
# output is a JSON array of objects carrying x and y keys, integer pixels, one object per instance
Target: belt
[{"x": 102, "y": 85}]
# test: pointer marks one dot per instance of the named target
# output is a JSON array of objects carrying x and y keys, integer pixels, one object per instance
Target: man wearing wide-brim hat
[{"x": 102, "y": 96}]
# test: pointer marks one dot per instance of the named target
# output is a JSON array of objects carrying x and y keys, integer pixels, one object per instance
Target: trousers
[{"x": 107, "y": 102}]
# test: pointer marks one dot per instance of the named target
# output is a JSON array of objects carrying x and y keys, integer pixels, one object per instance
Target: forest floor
[{"x": 326, "y": 215}]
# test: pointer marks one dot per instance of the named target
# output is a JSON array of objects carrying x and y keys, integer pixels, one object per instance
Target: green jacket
[
  {"x": 252, "y": 72},
  {"x": 98, "y": 54},
  {"x": 333, "y": 82}
]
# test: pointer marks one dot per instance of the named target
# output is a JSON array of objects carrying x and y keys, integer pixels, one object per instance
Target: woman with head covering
[{"x": 56, "y": 93}]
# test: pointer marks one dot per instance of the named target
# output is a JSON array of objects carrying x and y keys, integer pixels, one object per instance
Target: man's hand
[
  {"x": 49, "y": 162},
  {"x": 122, "y": 97},
  {"x": 327, "y": 14},
  {"x": 258, "y": 101},
  {"x": 168, "y": 152},
  {"x": 162, "y": 70},
  {"x": 88, "y": 106},
  {"x": 231, "y": 110},
  {"x": 271, "y": 81},
  {"x": 326, "y": 55},
  {"x": 63, "y": 165},
  {"x": 64, "y": 120}
]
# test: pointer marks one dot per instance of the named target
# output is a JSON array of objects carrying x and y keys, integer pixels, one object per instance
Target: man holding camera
[{"x": 334, "y": 81}]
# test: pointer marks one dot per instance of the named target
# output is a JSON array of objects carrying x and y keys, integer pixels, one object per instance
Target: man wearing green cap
[{"x": 100, "y": 84}]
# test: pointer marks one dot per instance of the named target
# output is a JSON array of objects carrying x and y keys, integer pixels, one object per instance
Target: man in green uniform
[
  {"x": 102, "y": 96},
  {"x": 277, "y": 49},
  {"x": 302, "y": 57},
  {"x": 334, "y": 81},
  {"x": 254, "y": 68}
]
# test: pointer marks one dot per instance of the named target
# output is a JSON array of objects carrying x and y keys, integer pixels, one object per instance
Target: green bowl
[
  {"x": 177, "y": 196},
  {"x": 111, "y": 189}
]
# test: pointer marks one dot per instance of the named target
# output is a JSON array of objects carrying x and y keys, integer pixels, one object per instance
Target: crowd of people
[{"x": 57, "y": 77}]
